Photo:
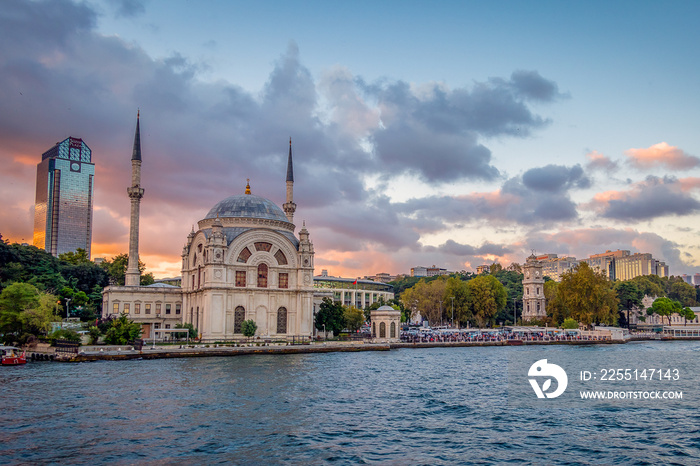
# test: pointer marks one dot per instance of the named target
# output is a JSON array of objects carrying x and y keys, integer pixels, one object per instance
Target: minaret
[
  {"x": 133, "y": 275},
  {"x": 289, "y": 206}
]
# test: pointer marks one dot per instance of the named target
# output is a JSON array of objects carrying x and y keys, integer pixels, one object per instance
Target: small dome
[{"x": 247, "y": 206}]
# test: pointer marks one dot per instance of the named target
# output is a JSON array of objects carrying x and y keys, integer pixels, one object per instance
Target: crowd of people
[{"x": 428, "y": 335}]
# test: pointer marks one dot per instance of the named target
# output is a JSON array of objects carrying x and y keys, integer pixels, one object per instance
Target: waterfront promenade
[{"x": 127, "y": 352}]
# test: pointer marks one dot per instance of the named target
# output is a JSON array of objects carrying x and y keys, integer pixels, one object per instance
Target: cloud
[
  {"x": 661, "y": 155},
  {"x": 530, "y": 85},
  {"x": 555, "y": 178},
  {"x": 584, "y": 242},
  {"x": 652, "y": 198},
  {"x": 128, "y": 8},
  {"x": 598, "y": 161}
]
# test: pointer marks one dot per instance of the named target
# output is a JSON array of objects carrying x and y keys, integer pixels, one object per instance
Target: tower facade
[
  {"x": 290, "y": 207},
  {"x": 135, "y": 192},
  {"x": 64, "y": 198},
  {"x": 533, "y": 290}
]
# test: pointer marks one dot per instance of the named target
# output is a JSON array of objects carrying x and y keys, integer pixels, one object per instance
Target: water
[{"x": 409, "y": 406}]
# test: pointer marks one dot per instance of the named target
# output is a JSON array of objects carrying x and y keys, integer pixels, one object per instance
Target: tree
[
  {"x": 78, "y": 257},
  {"x": 688, "y": 314},
  {"x": 189, "y": 332},
  {"x": 249, "y": 327},
  {"x": 587, "y": 296},
  {"x": 629, "y": 297},
  {"x": 354, "y": 318},
  {"x": 37, "y": 320},
  {"x": 122, "y": 331},
  {"x": 488, "y": 298},
  {"x": 569, "y": 323},
  {"x": 331, "y": 315},
  {"x": 457, "y": 289},
  {"x": 664, "y": 307},
  {"x": 116, "y": 268},
  {"x": 682, "y": 292}
]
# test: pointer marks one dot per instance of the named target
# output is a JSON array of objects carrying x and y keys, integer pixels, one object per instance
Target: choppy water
[{"x": 410, "y": 406}]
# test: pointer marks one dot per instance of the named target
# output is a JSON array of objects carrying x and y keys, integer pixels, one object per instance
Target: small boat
[{"x": 11, "y": 356}]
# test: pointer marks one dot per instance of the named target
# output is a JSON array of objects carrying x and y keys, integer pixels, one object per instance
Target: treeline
[
  {"x": 583, "y": 295},
  {"x": 37, "y": 288},
  {"x": 465, "y": 299}
]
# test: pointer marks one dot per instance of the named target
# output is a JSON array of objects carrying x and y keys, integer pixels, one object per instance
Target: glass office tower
[{"x": 64, "y": 193}]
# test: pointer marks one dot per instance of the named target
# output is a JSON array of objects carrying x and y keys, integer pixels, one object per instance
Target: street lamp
[
  {"x": 68, "y": 300},
  {"x": 453, "y": 310},
  {"x": 324, "y": 332},
  {"x": 515, "y": 319}
]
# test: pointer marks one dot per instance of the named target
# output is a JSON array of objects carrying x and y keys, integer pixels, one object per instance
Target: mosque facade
[{"x": 244, "y": 262}]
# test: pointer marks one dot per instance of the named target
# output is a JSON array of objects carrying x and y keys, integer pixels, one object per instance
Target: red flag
[{"x": 355, "y": 282}]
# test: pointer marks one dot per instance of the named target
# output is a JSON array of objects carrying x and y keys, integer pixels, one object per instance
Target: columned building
[
  {"x": 533, "y": 290},
  {"x": 360, "y": 293}
]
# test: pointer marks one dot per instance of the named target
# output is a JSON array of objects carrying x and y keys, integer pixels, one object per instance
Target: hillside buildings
[
  {"x": 616, "y": 265},
  {"x": 420, "y": 271},
  {"x": 64, "y": 198}
]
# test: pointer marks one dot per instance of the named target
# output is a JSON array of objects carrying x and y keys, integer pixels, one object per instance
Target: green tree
[
  {"x": 14, "y": 300},
  {"x": 330, "y": 314},
  {"x": 189, "y": 332},
  {"x": 488, "y": 298},
  {"x": 78, "y": 257},
  {"x": 94, "y": 333},
  {"x": 249, "y": 327},
  {"x": 569, "y": 323},
  {"x": 37, "y": 319},
  {"x": 116, "y": 268},
  {"x": 122, "y": 331},
  {"x": 664, "y": 307},
  {"x": 457, "y": 289},
  {"x": 688, "y": 314},
  {"x": 682, "y": 292},
  {"x": 354, "y": 318},
  {"x": 629, "y": 297},
  {"x": 554, "y": 303},
  {"x": 588, "y": 296},
  {"x": 650, "y": 285}
]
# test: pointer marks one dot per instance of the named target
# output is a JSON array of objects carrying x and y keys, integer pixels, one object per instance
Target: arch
[
  {"x": 238, "y": 318},
  {"x": 262, "y": 275},
  {"x": 256, "y": 235},
  {"x": 392, "y": 331},
  {"x": 282, "y": 320},
  {"x": 382, "y": 330}
]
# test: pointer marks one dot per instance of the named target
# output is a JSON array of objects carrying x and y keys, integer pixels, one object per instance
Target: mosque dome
[{"x": 247, "y": 206}]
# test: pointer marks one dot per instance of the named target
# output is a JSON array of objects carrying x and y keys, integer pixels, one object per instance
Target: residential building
[{"x": 351, "y": 291}]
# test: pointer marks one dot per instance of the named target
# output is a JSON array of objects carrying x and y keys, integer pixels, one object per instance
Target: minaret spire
[
  {"x": 135, "y": 192},
  {"x": 290, "y": 206}
]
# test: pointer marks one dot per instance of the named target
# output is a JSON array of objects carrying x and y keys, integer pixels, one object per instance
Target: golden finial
[{"x": 247, "y": 187}]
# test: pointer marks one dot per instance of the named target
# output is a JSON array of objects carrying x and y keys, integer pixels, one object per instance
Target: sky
[{"x": 424, "y": 133}]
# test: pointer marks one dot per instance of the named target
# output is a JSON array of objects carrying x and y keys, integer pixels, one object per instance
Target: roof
[
  {"x": 161, "y": 285},
  {"x": 247, "y": 206}
]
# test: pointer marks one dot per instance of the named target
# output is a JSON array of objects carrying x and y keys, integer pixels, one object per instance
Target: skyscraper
[{"x": 64, "y": 197}]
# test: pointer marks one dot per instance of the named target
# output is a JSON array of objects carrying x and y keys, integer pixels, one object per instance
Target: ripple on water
[{"x": 428, "y": 406}]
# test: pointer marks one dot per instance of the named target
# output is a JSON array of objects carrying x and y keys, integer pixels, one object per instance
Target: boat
[{"x": 11, "y": 356}]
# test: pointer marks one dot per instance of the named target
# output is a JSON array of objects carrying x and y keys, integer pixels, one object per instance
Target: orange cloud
[
  {"x": 689, "y": 183},
  {"x": 661, "y": 154}
]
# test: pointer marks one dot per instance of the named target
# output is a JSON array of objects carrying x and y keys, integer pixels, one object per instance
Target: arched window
[
  {"x": 374, "y": 329},
  {"x": 238, "y": 318},
  {"x": 282, "y": 320},
  {"x": 392, "y": 332},
  {"x": 262, "y": 276},
  {"x": 382, "y": 330}
]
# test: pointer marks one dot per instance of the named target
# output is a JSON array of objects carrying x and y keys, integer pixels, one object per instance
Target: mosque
[{"x": 243, "y": 262}]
